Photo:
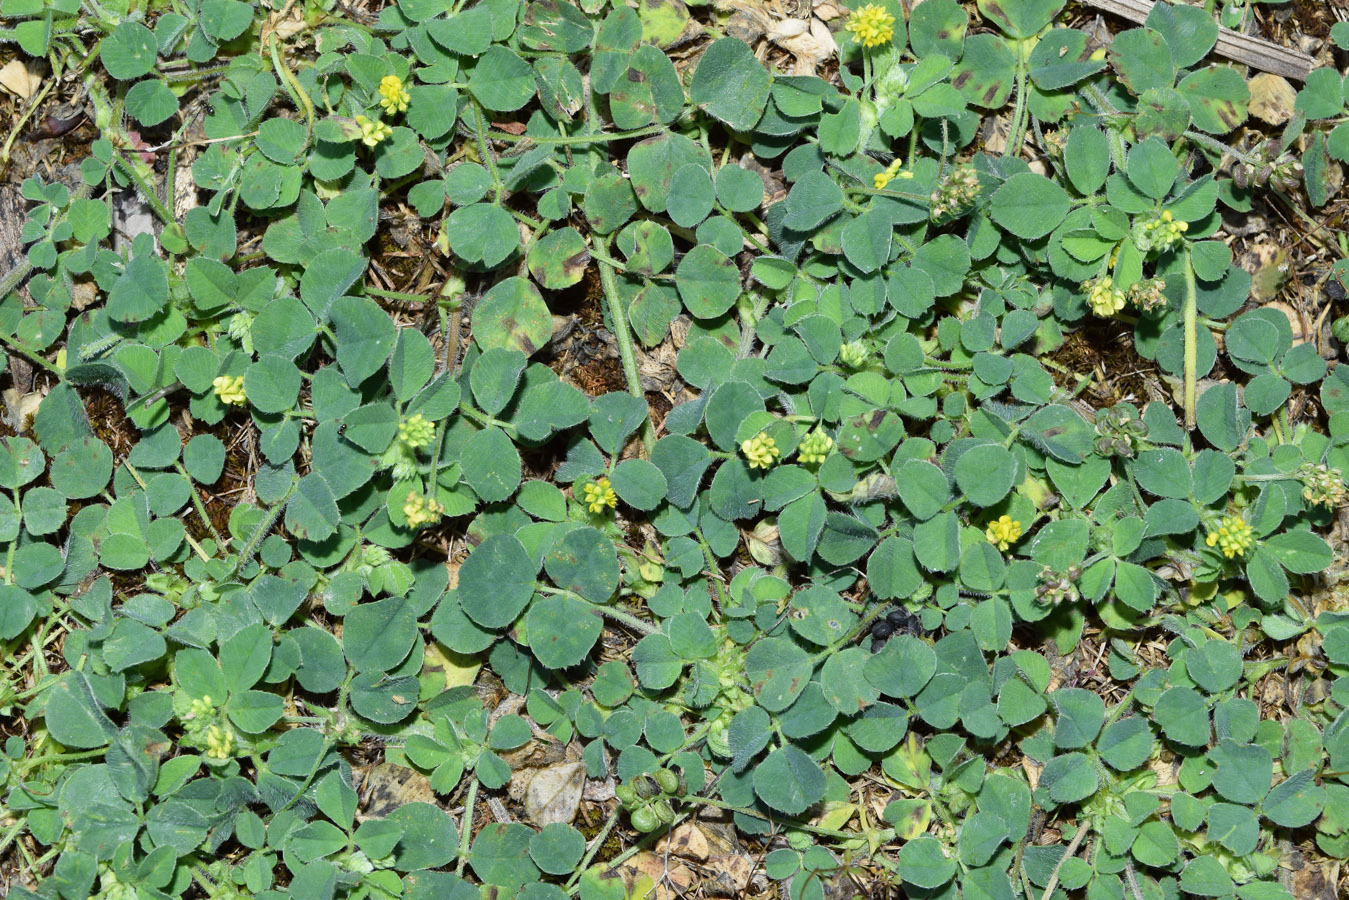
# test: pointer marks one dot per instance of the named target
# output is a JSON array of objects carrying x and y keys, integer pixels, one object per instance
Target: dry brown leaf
[
  {"x": 1272, "y": 98},
  {"x": 687, "y": 841},
  {"x": 811, "y": 43},
  {"x": 730, "y": 875},
  {"x": 554, "y": 793},
  {"x": 386, "y": 787},
  {"x": 671, "y": 877},
  {"x": 21, "y": 80}
]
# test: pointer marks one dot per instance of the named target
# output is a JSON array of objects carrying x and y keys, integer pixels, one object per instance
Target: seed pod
[
  {"x": 668, "y": 781},
  {"x": 626, "y": 795},
  {"x": 644, "y": 820},
  {"x": 1240, "y": 176},
  {"x": 664, "y": 812},
  {"x": 882, "y": 629},
  {"x": 646, "y": 787}
]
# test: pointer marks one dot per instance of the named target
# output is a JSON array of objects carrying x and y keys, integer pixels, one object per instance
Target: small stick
[{"x": 1243, "y": 48}]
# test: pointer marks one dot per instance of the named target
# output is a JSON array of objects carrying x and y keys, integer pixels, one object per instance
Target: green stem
[
  {"x": 201, "y": 508},
  {"x": 1018, "y": 132},
  {"x": 593, "y": 849},
  {"x": 1191, "y": 314},
  {"x": 466, "y": 823},
  {"x": 264, "y": 527},
  {"x": 297, "y": 93},
  {"x": 626, "y": 351},
  {"x": 579, "y": 139},
  {"x": 146, "y": 191},
  {"x": 485, "y": 151}
]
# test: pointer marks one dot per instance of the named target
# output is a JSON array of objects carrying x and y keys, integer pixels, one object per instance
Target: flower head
[
  {"x": 1003, "y": 532},
  {"x": 599, "y": 495},
  {"x": 892, "y": 171},
  {"x": 956, "y": 191},
  {"x": 1103, "y": 297},
  {"x": 1147, "y": 294},
  {"x": 230, "y": 389},
  {"x": 392, "y": 95},
  {"x": 1233, "y": 537},
  {"x": 1322, "y": 486},
  {"x": 372, "y": 131},
  {"x": 871, "y": 25},
  {"x": 219, "y": 743},
  {"x": 1161, "y": 233},
  {"x": 416, "y": 431},
  {"x": 421, "y": 510},
  {"x": 761, "y": 451},
  {"x": 854, "y": 354},
  {"x": 814, "y": 448}
]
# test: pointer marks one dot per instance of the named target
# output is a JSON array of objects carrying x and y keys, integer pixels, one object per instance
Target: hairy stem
[
  {"x": 626, "y": 351},
  {"x": 1191, "y": 314}
]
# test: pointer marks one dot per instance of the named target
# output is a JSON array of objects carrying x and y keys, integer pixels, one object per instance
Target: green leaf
[
  {"x": 496, "y": 581},
  {"x": 789, "y": 781},
  {"x": 730, "y": 84},
  {"x": 1183, "y": 717},
  {"x": 501, "y": 80},
  {"x": 129, "y": 51},
  {"x": 584, "y": 561},
  {"x": 1023, "y": 19},
  {"x": 559, "y": 259},
  {"x": 151, "y": 102},
  {"x": 923, "y": 864},
  {"x": 365, "y": 337},
  {"x": 491, "y": 464},
  {"x": 312, "y": 513},
  {"x": 482, "y": 233},
  {"x": 512, "y": 315},
  {"x": 561, "y": 631},
  {"x": 778, "y": 671},
  {"x": 707, "y": 281},
  {"x": 1029, "y": 205},
  {"x": 1299, "y": 551}
]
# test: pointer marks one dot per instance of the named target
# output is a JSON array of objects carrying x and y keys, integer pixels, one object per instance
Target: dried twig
[{"x": 1243, "y": 48}]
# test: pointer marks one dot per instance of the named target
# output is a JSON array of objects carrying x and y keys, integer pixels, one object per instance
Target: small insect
[{"x": 896, "y": 621}]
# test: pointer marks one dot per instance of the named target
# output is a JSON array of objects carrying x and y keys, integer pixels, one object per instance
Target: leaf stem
[
  {"x": 1190, "y": 312},
  {"x": 623, "y": 336},
  {"x": 466, "y": 824}
]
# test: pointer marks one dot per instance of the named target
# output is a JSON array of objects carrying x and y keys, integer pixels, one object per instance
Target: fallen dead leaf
[
  {"x": 687, "y": 841},
  {"x": 554, "y": 793},
  {"x": 670, "y": 876},
  {"x": 730, "y": 875},
  {"x": 386, "y": 787},
  {"x": 20, "y": 79},
  {"x": 1272, "y": 98}
]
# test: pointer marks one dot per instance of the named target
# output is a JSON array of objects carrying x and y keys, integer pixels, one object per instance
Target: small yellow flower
[
  {"x": 1104, "y": 298},
  {"x": 814, "y": 448},
  {"x": 761, "y": 451},
  {"x": 219, "y": 743},
  {"x": 421, "y": 510},
  {"x": 230, "y": 389},
  {"x": 1233, "y": 537},
  {"x": 599, "y": 495},
  {"x": 871, "y": 25},
  {"x": 392, "y": 95},
  {"x": 200, "y": 708},
  {"x": 415, "y": 431},
  {"x": 372, "y": 131},
  {"x": 1003, "y": 532},
  {"x": 881, "y": 179}
]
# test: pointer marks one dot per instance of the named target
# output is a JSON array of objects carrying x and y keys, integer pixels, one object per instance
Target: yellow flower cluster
[
  {"x": 761, "y": 451},
  {"x": 230, "y": 389},
  {"x": 219, "y": 743},
  {"x": 871, "y": 25},
  {"x": 416, "y": 431},
  {"x": 1233, "y": 537},
  {"x": 392, "y": 95},
  {"x": 1162, "y": 232},
  {"x": 421, "y": 510},
  {"x": 1003, "y": 532},
  {"x": 881, "y": 179},
  {"x": 1104, "y": 298},
  {"x": 814, "y": 448},
  {"x": 372, "y": 131},
  {"x": 199, "y": 708},
  {"x": 599, "y": 495}
]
